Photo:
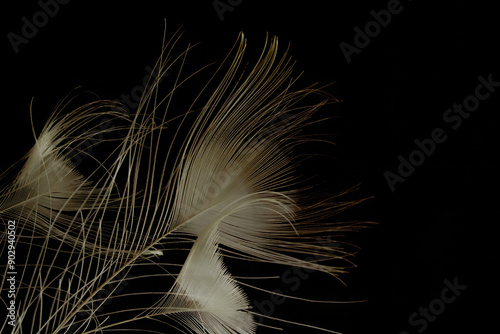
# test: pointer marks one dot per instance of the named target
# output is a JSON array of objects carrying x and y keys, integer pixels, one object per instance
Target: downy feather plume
[{"x": 138, "y": 243}]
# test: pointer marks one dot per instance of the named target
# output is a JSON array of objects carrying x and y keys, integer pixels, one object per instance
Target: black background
[{"x": 437, "y": 225}]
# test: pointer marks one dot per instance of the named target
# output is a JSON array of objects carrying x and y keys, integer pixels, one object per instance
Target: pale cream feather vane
[{"x": 99, "y": 251}]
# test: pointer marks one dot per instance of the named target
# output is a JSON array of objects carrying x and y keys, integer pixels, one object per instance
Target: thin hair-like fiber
[{"x": 139, "y": 242}]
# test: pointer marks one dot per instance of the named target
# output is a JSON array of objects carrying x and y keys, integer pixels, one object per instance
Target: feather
[
  {"x": 49, "y": 188},
  {"x": 207, "y": 293},
  {"x": 244, "y": 174},
  {"x": 231, "y": 190}
]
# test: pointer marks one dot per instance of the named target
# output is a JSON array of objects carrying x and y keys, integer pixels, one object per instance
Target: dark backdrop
[{"x": 437, "y": 225}]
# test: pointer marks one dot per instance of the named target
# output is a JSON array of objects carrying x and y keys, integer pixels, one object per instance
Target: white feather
[
  {"x": 232, "y": 189},
  {"x": 205, "y": 294},
  {"x": 49, "y": 194}
]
